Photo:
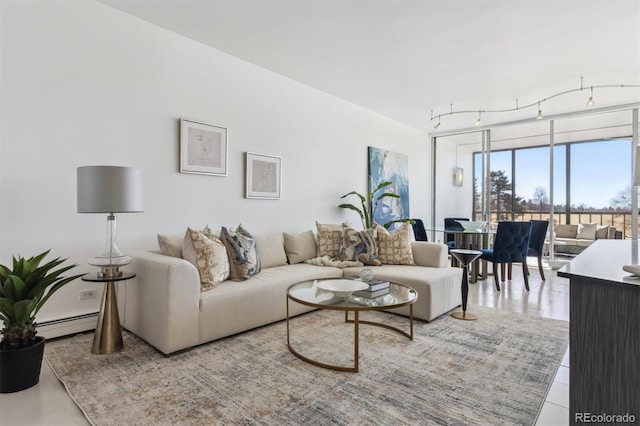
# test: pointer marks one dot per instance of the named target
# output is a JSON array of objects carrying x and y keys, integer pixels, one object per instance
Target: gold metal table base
[
  {"x": 464, "y": 316},
  {"x": 108, "y": 336},
  {"x": 356, "y": 339}
]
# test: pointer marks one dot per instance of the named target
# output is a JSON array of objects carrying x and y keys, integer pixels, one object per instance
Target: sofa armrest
[
  {"x": 430, "y": 254},
  {"x": 162, "y": 303}
]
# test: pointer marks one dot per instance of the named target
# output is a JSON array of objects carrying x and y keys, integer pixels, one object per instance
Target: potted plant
[
  {"x": 24, "y": 289},
  {"x": 370, "y": 205}
]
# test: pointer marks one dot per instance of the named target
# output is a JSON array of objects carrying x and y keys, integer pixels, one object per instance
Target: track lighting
[{"x": 590, "y": 102}]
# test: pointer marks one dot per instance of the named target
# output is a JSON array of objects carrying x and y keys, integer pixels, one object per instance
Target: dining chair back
[
  {"x": 510, "y": 245},
  {"x": 536, "y": 242},
  {"x": 452, "y": 224},
  {"x": 419, "y": 233}
]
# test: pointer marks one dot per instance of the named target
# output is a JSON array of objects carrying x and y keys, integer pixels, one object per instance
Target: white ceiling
[{"x": 404, "y": 58}]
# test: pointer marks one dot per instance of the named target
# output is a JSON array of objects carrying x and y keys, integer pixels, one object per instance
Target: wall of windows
[{"x": 592, "y": 183}]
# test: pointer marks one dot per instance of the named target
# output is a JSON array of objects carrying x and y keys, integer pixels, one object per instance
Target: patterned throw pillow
[
  {"x": 359, "y": 246},
  {"x": 243, "y": 255},
  {"x": 209, "y": 256},
  {"x": 394, "y": 248},
  {"x": 329, "y": 239}
]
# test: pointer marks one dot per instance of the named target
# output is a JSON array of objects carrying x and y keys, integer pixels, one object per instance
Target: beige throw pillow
[
  {"x": 394, "y": 248},
  {"x": 208, "y": 254},
  {"x": 300, "y": 247},
  {"x": 271, "y": 249},
  {"x": 329, "y": 239},
  {"x": 171, "y": 244},
  {"x": 244, "y": 260},
  {"x": 359, "y": 246}
]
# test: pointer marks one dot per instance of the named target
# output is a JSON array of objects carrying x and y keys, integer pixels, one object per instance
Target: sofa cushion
[
  {"x": 329, "y": 237},
  {"x": 208, "y": 254},
  {"x": 359, "y": 246},
  {"x": 586, "y": 231},
  {"x": 171, "y": 244},
  {"x": 394, "y": 248},
  {"x": 271, "y": 250},
  {"x": 605, "y": 232},
  {"x": 244, "y": 260},
  {"x": 300, "y": 246},
  {"x": 566, "y": 231}
]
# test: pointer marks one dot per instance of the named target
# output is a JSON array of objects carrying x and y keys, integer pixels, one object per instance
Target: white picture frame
[
  {"x": 203, "y": 148},
  {"x": 263, "y": 176}
]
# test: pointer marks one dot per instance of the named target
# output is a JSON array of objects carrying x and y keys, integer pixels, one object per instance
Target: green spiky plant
[
  {"x": 370, "y": 205},
  {"x": 24, "y": 289}
]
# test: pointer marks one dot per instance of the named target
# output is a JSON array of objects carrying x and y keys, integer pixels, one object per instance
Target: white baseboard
[{"x": 68, "y": 326}]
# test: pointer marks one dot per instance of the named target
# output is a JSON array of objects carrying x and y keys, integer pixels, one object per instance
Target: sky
[{"x": 599, "y": 171}]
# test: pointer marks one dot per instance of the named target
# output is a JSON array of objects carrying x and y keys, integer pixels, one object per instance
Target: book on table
[
  {"x": 374, "y": 285},
  {"x": 371, "y": 294}
]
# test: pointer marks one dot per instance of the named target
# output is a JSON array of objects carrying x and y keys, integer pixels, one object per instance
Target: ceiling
[{"x": 404, "y": 58}]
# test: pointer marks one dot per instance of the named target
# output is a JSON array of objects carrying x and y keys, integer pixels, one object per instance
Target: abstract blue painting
[{"x": 389, "y": 166}]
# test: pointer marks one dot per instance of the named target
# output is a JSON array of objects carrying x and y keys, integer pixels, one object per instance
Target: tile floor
[{"x": 48, "y": 403}]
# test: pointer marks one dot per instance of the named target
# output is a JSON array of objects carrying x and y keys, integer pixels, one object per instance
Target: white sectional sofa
[
  {"x": 573, "y": 239},
  {"x": 164, "y": 304}
]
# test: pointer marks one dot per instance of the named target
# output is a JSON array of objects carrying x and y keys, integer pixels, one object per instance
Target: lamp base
[{"x": 111, "y": 271}]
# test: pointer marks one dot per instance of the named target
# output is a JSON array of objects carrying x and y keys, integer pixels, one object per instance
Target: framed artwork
[
  {"x": 203, "y": 148},
  {"x": 264, "y": 176},
  {"x": 390, "y": 166}
]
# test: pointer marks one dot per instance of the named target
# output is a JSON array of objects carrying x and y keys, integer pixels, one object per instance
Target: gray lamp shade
[{"x": 110, "y": 189}]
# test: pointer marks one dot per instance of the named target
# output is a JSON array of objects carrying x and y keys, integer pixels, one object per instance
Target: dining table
[{"x": 471, "y": 239}]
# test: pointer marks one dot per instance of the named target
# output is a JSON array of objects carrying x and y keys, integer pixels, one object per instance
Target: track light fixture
[{"x": 590, "y": 102}]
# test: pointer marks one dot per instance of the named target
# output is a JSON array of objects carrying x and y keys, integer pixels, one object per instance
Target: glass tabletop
[{"x": 308, "y": 293}]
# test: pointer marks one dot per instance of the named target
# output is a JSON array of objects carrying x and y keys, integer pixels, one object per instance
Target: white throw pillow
[
  {"x": 171, "y": 244},
  {"x": 587, "y": 231},
  {"x": 271, "y": 250}
]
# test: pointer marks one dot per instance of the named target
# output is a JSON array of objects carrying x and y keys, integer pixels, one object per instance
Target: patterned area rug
[{"x": 496, "y": 370}]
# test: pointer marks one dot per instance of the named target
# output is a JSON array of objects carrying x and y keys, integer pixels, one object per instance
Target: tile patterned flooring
[{"x": 48, "y": 403}]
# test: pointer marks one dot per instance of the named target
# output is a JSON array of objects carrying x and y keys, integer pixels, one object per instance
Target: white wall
[{"x": 85, "y": 84}]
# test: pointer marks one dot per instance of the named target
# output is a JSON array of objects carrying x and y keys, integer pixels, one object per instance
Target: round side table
[
  {"x": 466, "y": 258},
  {"x": 108, "y": 336}
]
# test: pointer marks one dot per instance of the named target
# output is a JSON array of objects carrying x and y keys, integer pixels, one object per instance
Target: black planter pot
[{"x": 20, "y": 368}]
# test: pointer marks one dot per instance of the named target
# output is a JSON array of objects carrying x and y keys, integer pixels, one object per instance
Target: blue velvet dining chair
[
  {"x": 419, "y": 233},
  {"x": 509, "y": 246},
  {"x": 452, "y": 224},
  {"x": 536, "y": 242}
]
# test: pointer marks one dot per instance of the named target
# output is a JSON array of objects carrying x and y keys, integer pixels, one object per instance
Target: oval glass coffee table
[{"x": 309, "y": 294}]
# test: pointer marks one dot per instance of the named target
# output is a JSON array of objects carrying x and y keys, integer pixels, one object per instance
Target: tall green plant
[
  {"x": 24, "y": 289},
  {"x": 367, "y": 211}
]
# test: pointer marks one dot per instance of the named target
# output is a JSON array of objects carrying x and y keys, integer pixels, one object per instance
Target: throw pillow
[
  {"x": 329, "y": 238},
  {"x": 359, "y": 245},
  {"x": 244, "y": 261},
  {"x": 271, "y": 249},
  {"x": 171, "y": 244},
  {"x": 602, "y": 232},
  {"x": 209, "y": 255},
  {"x": 394, "y": 248},
  {"x": 300, "y": 247},
  {"x": 587, "y": 231}
]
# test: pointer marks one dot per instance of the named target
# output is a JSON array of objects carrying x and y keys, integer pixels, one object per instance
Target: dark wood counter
[{"x": 604, "y": 358}]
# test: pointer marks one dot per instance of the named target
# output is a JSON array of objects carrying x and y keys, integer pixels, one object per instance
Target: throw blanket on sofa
[{"x": 329, "y": 261}]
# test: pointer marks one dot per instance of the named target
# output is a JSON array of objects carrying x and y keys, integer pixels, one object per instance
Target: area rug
[{"x": 496, "y": 370}]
